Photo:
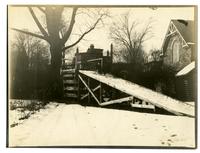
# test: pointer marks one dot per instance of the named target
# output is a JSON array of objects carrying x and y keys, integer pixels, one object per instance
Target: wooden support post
[
  {"x": 117, "y": 101},
  {"x": 100, "y": 93},
  {"x": 102, "y": 65},
  {"x": 89, "y": 89},
  {"x": 79, "y": 86},
  {"x": 95, "y": 89},
  {"x": 89, "y": 96},
  {"x": 111, "y": 53}
]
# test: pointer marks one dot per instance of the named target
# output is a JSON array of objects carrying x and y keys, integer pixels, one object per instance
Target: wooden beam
[
  {"x": 79, "y": 94},
  {"x": 95, "y": 89},
  {"x": 148, "y": 95},
  {"x": 97, "y": 59},
  {"x": 117, "y": 101},
  {"x": 89, "y": 89},
  {"x": 94, "y": 60},
  {"x": 111, "y": 52},
  {"x": 171, "y": 33},
  {"x": 88, "y": 83},
  {"x": 100, "y": 93}
]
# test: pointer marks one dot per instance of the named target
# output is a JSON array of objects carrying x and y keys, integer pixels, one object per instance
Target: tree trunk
[{"x": 55, "y": 86}]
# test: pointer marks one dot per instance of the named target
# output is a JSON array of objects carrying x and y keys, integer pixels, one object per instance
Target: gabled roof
[{"x": 186, "y": 29}]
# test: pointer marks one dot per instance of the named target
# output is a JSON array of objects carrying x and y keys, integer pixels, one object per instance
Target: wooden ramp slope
[{"x": 155, "y": 98}]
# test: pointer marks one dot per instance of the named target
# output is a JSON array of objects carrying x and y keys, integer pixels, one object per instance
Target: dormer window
[{"x": 175, "y": 51}]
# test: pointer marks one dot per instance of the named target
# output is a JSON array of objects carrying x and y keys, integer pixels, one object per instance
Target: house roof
[
  {"x": 186, "y": 29},
  {"x": 186, "y": 69}
]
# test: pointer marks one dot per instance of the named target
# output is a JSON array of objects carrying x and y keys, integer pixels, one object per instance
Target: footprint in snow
[
  {"x": 162, "y": 142},
  {"x": 173, "y": 135},
  {"x": 135, "y": 127},
  {"x": 169, "y": 140},
  {"x": 169, "y": 144}
]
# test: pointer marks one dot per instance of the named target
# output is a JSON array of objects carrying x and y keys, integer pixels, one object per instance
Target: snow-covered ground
[
  {"x": 20, "y": 110},
  {"x": 75, "y": 125}
]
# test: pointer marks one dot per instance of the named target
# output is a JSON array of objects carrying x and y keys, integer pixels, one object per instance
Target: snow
[
  {"x": 186, "y": 69},
  {"x": 75, "y": 125},
  {"x": 22, "y": 109}
]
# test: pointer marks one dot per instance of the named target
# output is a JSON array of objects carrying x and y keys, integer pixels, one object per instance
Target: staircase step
[
  {"x": 68, "y": 76},
  {"x": 72, "y": 82},
  {"x": 67, "y": 66},
  {"x": 71, "y": 88},
  {"x": 70, "y": 95},
  {"x": 68, "y": 71}
]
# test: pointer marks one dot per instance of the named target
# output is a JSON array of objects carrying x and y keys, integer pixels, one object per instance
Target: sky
[{"x": 20, "y": 18}]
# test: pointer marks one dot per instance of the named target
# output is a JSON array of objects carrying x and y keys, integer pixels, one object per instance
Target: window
[{"x": 175, "y": 51}]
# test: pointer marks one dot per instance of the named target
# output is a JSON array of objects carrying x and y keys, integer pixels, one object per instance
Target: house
[{"x": 178, "y": 55}]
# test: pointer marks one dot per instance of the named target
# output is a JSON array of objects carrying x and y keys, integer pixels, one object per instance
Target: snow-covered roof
[{"x": 186, "y": 69}]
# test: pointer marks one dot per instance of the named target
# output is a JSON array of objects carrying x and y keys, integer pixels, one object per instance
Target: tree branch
[
  {"x": 85, "y": 33},
  {"x": 30, "y": 33},
  {"x": 37, "y": 22},
  {"x": 69, "y": 31},
  {"x": 116, "y": 35}
]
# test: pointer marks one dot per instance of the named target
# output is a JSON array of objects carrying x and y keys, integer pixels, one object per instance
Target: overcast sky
[{"x": 20, "y": 18}]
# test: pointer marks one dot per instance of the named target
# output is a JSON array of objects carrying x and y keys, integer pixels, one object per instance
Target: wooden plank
[
  {"x": 70, "y": 95},
  {"x": 79, "y": 91},
  {"x": 70, "y": 82},
  {"x": 94, "y": 60},
  {"x": 70, "y": 71},
  {"x": 117, "y": 101},
  {"x": 69, "y": 75},
  {"x": 71, "y": 88},
  {"x": 142, "y": 106},
  {"x": 100, "y": 93},
  {"x": 88, "y": 89},
  {"x": 95, "y": 89},
  {"x": 88, "y": 83},
  {"x": 155, "y": 98}
]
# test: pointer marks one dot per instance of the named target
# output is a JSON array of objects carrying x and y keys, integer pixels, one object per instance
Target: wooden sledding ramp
[{"x": 155, "y": 98}]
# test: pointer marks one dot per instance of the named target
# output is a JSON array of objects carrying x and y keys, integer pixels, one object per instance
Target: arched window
[{"x": 175, "y": 51}]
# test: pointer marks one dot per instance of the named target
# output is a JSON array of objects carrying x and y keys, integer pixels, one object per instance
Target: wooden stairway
[{"x": 70, "y": 88}]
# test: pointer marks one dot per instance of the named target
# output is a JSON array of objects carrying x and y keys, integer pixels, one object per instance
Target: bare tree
[
  {"x": 32, "y": 47},
  {"x": 57, "y": 38},
  {"x": 155, "y": 54},
  {"x": 29, "y": 56},
  {"x": 128, "y": 39}
]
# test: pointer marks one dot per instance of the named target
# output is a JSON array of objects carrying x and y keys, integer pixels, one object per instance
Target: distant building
[
  {"x": 178, "y": 47},
  {"x": 178, "y": 54},
  {"x": 174, "y": 73}
]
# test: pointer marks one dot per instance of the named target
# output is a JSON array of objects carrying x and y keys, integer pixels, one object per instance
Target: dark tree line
[{"x": 28, "y": 65}]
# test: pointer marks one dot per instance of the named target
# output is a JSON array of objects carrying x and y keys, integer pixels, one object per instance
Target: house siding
[{"x": 184, "y": 54}]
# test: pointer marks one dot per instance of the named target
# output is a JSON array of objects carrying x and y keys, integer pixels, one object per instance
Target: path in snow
[{"x": 69, "y": 125}]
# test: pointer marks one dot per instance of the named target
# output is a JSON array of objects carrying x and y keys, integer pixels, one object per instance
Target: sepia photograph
[{"x": 102, "y": 76}]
